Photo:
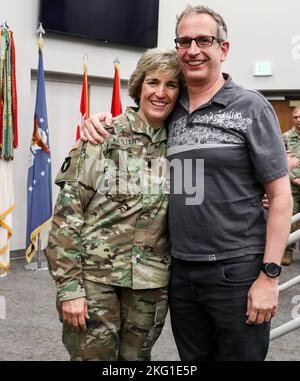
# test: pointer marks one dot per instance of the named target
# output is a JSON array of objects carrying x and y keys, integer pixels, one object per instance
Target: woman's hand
[{"x": 74, "y": 312}]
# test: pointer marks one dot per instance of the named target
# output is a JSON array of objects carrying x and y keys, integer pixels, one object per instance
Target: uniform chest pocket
[{"x": 125, "y": 166}]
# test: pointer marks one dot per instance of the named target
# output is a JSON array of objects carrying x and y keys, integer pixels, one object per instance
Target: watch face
[{"x": 272, "y": 269}]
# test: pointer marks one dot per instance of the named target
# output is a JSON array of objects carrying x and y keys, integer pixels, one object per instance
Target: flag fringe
[
  {"x": 3, "y": 225},
  {"x": 4, "y": 268},
  {"x": 6, "y": 212},
  {"x": 32, "y": 248}
]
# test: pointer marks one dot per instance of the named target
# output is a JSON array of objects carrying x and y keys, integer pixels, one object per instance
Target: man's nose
[{"x": 194, "y": 48}]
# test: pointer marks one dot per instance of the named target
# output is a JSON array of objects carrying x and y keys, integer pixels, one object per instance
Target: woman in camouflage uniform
[{"x": 108, "y": 248}]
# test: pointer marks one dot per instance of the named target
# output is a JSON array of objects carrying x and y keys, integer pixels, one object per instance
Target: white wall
[
  {"x": 63, "y": 116},
  {"x": 259, "y": 30}
]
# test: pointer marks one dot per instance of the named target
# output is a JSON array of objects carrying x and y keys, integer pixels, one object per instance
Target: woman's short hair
[{"x": 152, "y": 60}]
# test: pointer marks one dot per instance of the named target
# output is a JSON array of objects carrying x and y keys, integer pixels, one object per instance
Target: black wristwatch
[{"x": 271, "y": 269}]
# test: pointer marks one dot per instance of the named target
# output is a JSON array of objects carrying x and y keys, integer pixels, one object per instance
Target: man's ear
[{"x": 224, "y": 48}]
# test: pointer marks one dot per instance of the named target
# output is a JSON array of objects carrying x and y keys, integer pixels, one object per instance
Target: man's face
[
  {"x": 200, "y": 65},
  {"x": 296, "y": 119}
]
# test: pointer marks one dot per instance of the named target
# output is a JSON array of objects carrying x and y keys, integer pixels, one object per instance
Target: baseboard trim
[{"x": 17, "y": 254}]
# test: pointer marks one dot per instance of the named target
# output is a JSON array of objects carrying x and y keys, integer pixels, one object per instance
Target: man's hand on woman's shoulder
[{"x": 93, "y": 130}]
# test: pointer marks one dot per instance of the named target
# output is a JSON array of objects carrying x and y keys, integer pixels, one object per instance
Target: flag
[
  {"x": 84, "y": 103},
  {"x": 39, "y": 194},
  {"x": 8, "y": 141},
  {"x": 8, "y": 96},
  {"x": 6, "y": 207},
  {"x": 116, "y": 106}
]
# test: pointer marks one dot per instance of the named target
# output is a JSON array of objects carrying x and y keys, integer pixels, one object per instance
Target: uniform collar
[
  {"x": 139, "y": 126},
  {"x": 295, "y": 132}
]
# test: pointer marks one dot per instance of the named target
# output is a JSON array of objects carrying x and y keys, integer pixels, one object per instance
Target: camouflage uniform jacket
[
  {"x": 292, "y": 144},
  {"x": 112, "y": 234}
]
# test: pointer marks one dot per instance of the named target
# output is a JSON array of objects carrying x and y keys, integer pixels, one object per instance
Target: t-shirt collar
[{"x": 223, "y": 96}]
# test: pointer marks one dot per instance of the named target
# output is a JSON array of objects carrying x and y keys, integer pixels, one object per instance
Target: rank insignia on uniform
[{"x": 66, "y": 164}]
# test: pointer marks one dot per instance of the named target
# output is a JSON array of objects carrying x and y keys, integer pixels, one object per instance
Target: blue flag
[{"x": 39, "y": 193}]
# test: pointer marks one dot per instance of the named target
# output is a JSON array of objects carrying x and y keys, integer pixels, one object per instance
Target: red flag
[
  {"x": 116, "y": 107},
  {"x": 14, "y": 93},
  {"x": 84, "y": 103}
]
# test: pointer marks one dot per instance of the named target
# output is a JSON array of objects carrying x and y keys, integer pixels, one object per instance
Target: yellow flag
[{"x": 6, "y": 207}]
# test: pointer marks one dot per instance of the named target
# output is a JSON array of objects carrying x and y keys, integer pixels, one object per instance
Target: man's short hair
[
  {"x": 222, "y": 31},
  {"x": 296, "y": 109}
]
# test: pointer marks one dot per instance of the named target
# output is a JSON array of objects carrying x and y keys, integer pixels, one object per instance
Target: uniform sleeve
[
  {"x": 292, "y": 176},
  {"x": 64, "y": 243},
  {"x": 285, "y": 140},
  {"x": 285, "y": 136},
  {"x": 266, "y": 146}
]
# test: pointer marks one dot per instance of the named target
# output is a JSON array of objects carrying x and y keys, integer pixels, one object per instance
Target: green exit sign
[{"x": 262, "y": 69}]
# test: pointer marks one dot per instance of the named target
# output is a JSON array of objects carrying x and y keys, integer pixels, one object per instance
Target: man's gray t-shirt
[{"x": 237, "y": 137}]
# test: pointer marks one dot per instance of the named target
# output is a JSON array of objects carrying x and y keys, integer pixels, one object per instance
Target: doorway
[
  {"x": 283, "y": 105},
  {"x": 284, "y": 114}
]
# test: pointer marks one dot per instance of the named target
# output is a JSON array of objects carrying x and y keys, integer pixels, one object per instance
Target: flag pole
[
  {"x": 85, "y": 59},
  {"x": 40, "y": 31},
  {"x": 39, "y": 261},
  {"x": 38, "y": 265}
]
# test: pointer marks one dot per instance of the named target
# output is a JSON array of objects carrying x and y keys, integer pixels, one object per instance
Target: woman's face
[{"x": 158, "y": 96}]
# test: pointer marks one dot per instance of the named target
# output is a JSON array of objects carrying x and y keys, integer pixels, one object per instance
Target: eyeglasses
[{"x": 201, "y": 41}]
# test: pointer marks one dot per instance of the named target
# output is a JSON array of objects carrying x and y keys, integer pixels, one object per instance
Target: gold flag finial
[{"x": 40, "y": 31}]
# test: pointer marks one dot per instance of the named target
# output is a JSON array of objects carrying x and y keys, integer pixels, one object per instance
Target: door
[{"x": 284, "y": 113}]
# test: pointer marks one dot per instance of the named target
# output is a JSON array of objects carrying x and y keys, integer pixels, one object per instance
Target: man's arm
[
  {"x": 263, "y": 294},
  {"x": 293, "y": 162},
  {"x": 93, "y": 131}
]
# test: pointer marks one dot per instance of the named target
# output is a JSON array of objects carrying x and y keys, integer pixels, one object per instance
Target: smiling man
[
  {"x": 225, "y": 256},
  {"x": 224, "y": 278}
]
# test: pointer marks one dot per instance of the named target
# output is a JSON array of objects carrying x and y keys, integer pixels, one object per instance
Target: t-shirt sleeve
[{"x": 266, "y": 146}]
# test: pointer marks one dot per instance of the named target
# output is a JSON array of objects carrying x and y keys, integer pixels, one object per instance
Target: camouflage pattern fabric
[
  {"x": 109, "y": 224},
  {"x": 292, "y": 144},
  {"x": 124, "y": 324}
]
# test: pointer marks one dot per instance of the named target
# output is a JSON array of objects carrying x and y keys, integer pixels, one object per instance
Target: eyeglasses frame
[{"x": 218, "y": 40}]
